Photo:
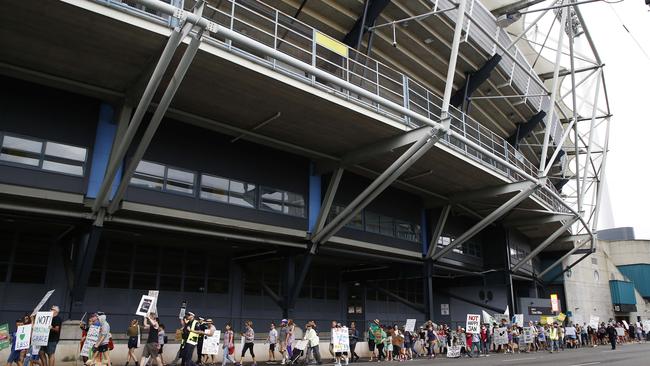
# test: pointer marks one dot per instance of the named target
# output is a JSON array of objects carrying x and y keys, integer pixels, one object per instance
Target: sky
[{"x": 627, "y": 74}]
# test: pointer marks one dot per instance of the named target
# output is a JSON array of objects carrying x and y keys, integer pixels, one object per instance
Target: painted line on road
[
  {"x": 586, "y": 364},
  {"x": 520, "y": 359}
]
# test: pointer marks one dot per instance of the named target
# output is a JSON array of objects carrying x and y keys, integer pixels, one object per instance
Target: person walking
[
  {"x": 228, "y": 345},
  {"x": 272, "y": 339},
  {"x": 312, "y": 342},
  {"x": 53, "y": 339},
  {"x": 282, "y": 339},
  {"x": 353, "y": 333},
  {"x": 611, "y": 333},
  {"x": 249, "y": 342},
  {"x": 192, "y": 326},
  {"x": 553, "y": 336},
  {"x": 152, "y": 347},
  {"x": 133, "y": 332},
  {"x": 101, "y": 346},
  {"x": 208, "y": 330}
]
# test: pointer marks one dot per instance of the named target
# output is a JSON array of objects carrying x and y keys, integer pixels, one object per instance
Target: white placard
[
  {"x": 41, "y": 328},
  {"x": 500, "y": 335},
  {"x": 181, "y": 313},
  {"x": 528, "y": 335},
  {"x": 42, "y": 302},
  {"x": 499, "y": 318},
  {"x": 646, "y": 325},
  {"x": 154, "y": 294},
  {"x": 410, "y": 325},
  {"x": 91, "y": 338},
  {"x": 145, "y": 306},
  {"x": 487, "y": 318},
  {"x": 593, "y": 322},
  {"x": 23, "y": 336},
  {"x": 519, "y": 319},
  {"x": 473, "y": 323},
  {"x": 211, "y": 344},
  {"x": 300, "y": 345},
  {"x": 453, "y": 351},
  {"x": 340, "y": 339},
  {"x": 620, "y": 332},
  {"x": 444, "y": 309},
  {"x": 627, "y": 326},
  {"x": 570, "y": 331}
]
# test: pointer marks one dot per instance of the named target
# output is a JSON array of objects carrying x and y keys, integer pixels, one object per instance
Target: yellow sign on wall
[{"x": 331, "y": 44}]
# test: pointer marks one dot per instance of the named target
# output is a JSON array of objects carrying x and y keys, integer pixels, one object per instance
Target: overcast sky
[{"x": 627, "y": 74}]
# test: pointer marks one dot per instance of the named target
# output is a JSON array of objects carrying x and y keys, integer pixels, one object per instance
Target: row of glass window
[
  {"x": 22, "y": 258},
  {"x": 42, "y": 154},
  {"x": 164, "y": 178},
  {"x": 380, "y": 224},
  {"x": 468, "y": 248}
]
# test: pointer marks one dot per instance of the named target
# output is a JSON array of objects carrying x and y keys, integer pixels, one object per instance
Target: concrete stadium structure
[{"x": 320, "y": 160}]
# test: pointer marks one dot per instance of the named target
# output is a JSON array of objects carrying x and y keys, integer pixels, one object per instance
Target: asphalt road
[{"x": 628, "y": 354}]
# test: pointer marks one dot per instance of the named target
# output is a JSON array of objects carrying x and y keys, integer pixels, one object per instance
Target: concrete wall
[{"x": 629, "y": 252}]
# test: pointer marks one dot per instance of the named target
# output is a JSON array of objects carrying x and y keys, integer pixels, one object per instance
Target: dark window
[
  {"x": 25, "y": 273},
  {"x": 194, "y": 284},
  {"x": 282, "y": 202},
  {"x": 217, "y": 286},
  {"x": 252, "y": 287},
  {"x": 228, "y": 191},
  {"x": 180, "y": 181},
  {"x": 170, "y": 283},
  {"x": 116, "y": 279},
  {"x": 142, "y": 281}
]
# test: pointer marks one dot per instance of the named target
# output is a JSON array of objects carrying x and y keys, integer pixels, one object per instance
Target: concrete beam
[
  {"x": 489, "y": 192},
  {"x": 548, "y": 241},
  {"x": 538, "y": 220}
]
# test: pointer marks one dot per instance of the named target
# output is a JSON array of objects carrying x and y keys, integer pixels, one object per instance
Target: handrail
[{"x": 337, "y": 73}]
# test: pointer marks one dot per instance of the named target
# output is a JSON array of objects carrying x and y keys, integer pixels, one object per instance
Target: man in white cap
[{"x": 53, "y": 339}]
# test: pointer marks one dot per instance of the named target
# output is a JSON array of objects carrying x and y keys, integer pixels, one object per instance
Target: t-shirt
[
  {"x": 273, "y": 336},
  {"x": 153, "y": 334},
  {"x": 226, "y": 337},
  {"x": 105, "y": 331},
  {"x": 283, "y": 334},
  {"x": 249, "y": 335},
  {"x": 54, "y": 335}
]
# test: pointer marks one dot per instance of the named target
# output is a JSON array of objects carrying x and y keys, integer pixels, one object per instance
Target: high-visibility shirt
[
  {"x": 193, "y": 337},
  {"x": 553, "y": 334}
]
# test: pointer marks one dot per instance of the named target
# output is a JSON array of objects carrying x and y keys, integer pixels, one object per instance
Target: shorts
[
  {"x": 272, "y": 347},
  {"x": 101, "y": 349},
  {"x": 371, "y": 345},
  {"x": 133, "y": 342},
  {"x": 339, "y": 354},
  {"x": 150, "y": 350},
  {"x": 572, "y": 337},
  {"x": 14, "y": 356},
  {"x": 50, "y": 349}
]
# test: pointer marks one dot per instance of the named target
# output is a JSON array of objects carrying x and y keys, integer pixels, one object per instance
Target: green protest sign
[{"x": 4, "y": 337}]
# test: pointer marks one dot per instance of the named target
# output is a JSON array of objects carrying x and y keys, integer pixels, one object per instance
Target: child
[
  {"x": 388, "y": 345},
  {"x": 14, "y": 356},
  {"x": 272, "y": 339},
  {"x": 162, "y": 339}
]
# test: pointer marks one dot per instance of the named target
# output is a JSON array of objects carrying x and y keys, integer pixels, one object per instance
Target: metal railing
[{"x": 296, "y": 39}]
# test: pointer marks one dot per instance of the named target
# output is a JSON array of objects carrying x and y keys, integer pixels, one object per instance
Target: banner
[
  {"x": 627, "y": 326},
  {"x": 41, "y": 328},
  {"x": 646, "y": 325},
  {"x": 555, "y": 303},
  {"x": 340, "y": 339},
  {"x": 620, "y": 332},
  {"x": 211, "y": 344},
  {"x": 518, "y": 319},
  {"x": 91, "y": 338},
  {"x": 145, "y": 306},
  {"x": 23, "y": 336},
  {"x": 528, "y": 335},
  {"x": 453, "y": 351},
  {"x": 410, "y": 325},
  {"x": 4, "y": 337},
  {"x": 154, "y": 294},
  {"x": 473, "y": 323},
  {"x": 593, "y": 321},
  {"x": 500, "y": 318},
  {"x": 487, "y": 318},
  {"x": 561, "y": 317},
  {"x": 42, "y": 302},
  {"x": 501, "y": 336}
]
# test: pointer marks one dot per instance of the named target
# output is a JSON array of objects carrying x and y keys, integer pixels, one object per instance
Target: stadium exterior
[{"x": 373, "y": 159}]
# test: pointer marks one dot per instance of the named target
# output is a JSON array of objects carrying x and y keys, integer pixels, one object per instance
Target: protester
[
  {"x": 611, "y": 333},
  {"x": 249, "y": 338},
  {"x": 229, "y": 346},
  {"x": 431, "y": 341},
  {"x": 353, "y": 333},
  {"x": 133, "y": 332},
  {"x": 199, "y": 344},
  {"x": 53, "y": 339},
  {"x": 184, "y": 333},
  {"x": 101, "y": 350},
  {"x": 291, "y": 336},
  {"x": 272, "y": 339},
  {"x": 282, "y": 338},
  {"x": 14, "y": 355},
  {"x": 208, "y": 330},
  {"x": 372, "y": 338},
  {"x": 340, "y": 355},
  {"x": 192, "y": 326},
  {"x": 312, "y": 342},
  {"x": 152, "y": 346}
]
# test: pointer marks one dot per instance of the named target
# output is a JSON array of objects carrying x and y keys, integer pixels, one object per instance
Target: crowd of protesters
[{"x": 386, "y": 342}]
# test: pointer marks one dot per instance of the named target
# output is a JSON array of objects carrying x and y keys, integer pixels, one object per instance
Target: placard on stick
[
  {"x": 473, "y": 324},
  {"x": 42, "y": 302},
  {"x": 145, "y": 306}
]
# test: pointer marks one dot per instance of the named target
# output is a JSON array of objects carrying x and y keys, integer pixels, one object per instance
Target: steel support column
[
  {"x": 122, "y": 147},
  {"x": 158, "y": 115},
  {"x": 87, "y": 251},
  {"x": 489, "y": 219},
  {"x": 437, "y": 231},
  {"x": 569, "y": 267},
  {"x": 326, "y": 205},
  {"x": 427, "y": 282},
  {"x": 451, "y": 70},
  {"x": 523, "y": 129},
  {"x": 476, "y": 79},
  {"x": 548, "y": 241},
  {"x": 559, "y": 261}
]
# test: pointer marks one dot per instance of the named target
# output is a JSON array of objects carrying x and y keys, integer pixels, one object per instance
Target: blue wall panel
[
  {"x": 622, "y": 292},
  {"x": 639, "y": 274},
  {"x": 104, "y": 137}
]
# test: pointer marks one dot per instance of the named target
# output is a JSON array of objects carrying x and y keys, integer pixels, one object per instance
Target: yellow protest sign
[{"x": 561, "y": 317}]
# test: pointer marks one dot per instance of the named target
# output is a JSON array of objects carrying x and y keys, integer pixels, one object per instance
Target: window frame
[
  {"x": 285, "y": 195},
  {"x": 165, "y": 179}
]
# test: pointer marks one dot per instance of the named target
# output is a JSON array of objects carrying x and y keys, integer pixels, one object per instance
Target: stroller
[{"x": 298, "y": 354}]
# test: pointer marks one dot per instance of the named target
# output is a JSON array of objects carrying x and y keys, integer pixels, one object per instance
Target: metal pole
[
  {"x": 565, "y": 134},
  {"x": 601, "y": 179},
  {"x": 329, "y": 198},
  {"x": 440, "y": 225},
  {"x": 528, "y": 28},
  {"x": 174, "y": 40},
  {"x": 575, "y": 114},
  {"x": 548, "y": 241},
  {"x": 167, "y": 97},
  {"x": 594, "y": 110},
  {"x": 567, "y": 255},
  {"x": 451, "y": 70},
  {"x": 556, "y": 71}
]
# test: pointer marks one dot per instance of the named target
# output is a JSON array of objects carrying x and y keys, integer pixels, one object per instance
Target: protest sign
[
  {"x": 41, "y": 328},
  {"x": 593, "y": 321},
  {"x": 91, "y": 338},
  {"x": 555, "y": 303},
  {"x": 154, "y": 294},
  {"x": 577, "y": 319},
  {"x": 23, "y": 336},
  {"x": 145, "y": 306},
  {"x": 487, "y": 318},
  {"x": 570, "y": 332},
  {"x": 341, "y": 339},
  {"x": 42, "y": 302},
  {"x": 453, "y": 351},
  {"x": 620, "y": 332},
  {"x": 627, "y": 326},
  {"x": 528, "y": 335},
  {"x": 519, "y": 319},
  {"x": 502, "y": 318},
  {"x": 500, "y": 335},
  {"x": 4, "y": 337},
  {"x": 410, "y": 325},
  {"x": 473, "y": 323},
  {"x": 181, "y": 313},
  {"x": 561, "y": 317},
  {"x": 211, "y": 344},
  {"x": 646, "y": 325}
]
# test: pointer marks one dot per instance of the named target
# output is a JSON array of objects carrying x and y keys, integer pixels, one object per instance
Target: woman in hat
[{"x": 312, "y": 341}]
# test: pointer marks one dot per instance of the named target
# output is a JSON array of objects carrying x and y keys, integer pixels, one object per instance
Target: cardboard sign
[
  {"x": 527, "y": 335},
  {"x": 555, "y": 303},
  {"x": 23, "y": 337},
  {"x": 41, "y": 328},
  {"x": 4, "y": 337},
  {"x": 627, "y": 326},
  {"x": 620, "y": 332},
  {"x": 410, "y": 325},
  {"x": 561, "y": 317},
  {"x": 145, "y": 306},
  {"x": 646, "y": 325},
  {"x": 500, "y": 335},
  {"x": 519, "y": 319},
  {"x": 154, "y": 294},
  {"x": 453, "y": 351},
  {"x": 42, "y": 302},
  {"x": 570, "y": 331},
  {"x": 593, "y": 321},
  {"x": 211, "y": 344},
  {"x": 341, "y": 339},
  {"x": 91, "y": 338},
  {"x": 473, "y": 323}
]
